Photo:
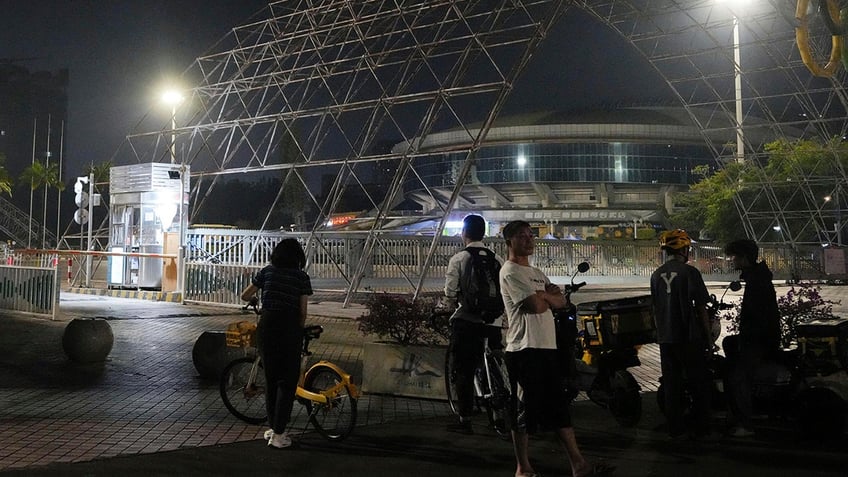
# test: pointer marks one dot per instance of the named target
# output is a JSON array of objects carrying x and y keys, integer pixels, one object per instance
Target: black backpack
[{"x": 479, "y": 285}]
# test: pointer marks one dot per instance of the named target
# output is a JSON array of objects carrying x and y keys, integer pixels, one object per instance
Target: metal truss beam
[{"x": 313, "y": 90}]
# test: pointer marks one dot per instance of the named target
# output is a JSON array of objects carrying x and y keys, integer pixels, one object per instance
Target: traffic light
[{"x": 81, "y": 200}]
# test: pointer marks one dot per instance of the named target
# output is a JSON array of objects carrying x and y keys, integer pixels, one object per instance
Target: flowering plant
[
  {"x": 402, "y": 320},
  {"x": 799, "y": 305}
]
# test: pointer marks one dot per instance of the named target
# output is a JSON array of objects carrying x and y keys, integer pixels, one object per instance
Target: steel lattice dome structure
[{"x": 317, "y": 85}]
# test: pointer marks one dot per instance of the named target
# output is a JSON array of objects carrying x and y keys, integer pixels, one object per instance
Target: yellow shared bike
[{"x": 325, "y": 390}]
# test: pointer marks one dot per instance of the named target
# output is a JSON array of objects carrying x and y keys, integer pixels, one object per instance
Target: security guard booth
[{"x": 149, "y": 206}]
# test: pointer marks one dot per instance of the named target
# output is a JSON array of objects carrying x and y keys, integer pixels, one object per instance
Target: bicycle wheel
[
  {"x": 335, "y": 419},
  {"x": 498, "y": 404},
  {"x": 450, "y": 386},
  {"x": 244, "y": 399}
]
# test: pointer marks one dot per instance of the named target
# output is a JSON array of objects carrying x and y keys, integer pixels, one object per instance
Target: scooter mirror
[
  {"x": 735, "y": 285},
  {"x": 582, "y": 267}
]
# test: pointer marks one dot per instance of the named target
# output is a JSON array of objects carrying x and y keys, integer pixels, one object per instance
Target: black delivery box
[
  {"x": 824, "y": 341},
  {"x": 619, "y": 323}
]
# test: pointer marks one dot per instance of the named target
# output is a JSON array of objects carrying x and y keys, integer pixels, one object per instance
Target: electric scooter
[
  {"x": 807, "y": 384},
  {"x": 597, "y": 342}
]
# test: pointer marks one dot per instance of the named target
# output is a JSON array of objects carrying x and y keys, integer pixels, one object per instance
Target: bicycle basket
[{"x": 241, "y": 334}]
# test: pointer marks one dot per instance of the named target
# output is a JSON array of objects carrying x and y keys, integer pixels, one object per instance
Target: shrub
[
  {"x": 399, "y": 319},
  {"x": 801, "y": 304}
]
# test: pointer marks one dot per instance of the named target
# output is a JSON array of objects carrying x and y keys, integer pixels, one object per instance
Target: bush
[
  {"x": 800, "y": 304},
  {"x": 397, "y": 318}
]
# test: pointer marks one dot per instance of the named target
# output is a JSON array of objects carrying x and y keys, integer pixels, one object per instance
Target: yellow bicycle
[{"x": 325, "y": 390}]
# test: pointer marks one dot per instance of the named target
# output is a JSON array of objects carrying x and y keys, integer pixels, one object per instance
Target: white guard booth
[{"x": 149, "y": 208}]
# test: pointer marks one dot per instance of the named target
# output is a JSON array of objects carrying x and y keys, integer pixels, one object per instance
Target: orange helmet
[{"x": 675, "y": 239}]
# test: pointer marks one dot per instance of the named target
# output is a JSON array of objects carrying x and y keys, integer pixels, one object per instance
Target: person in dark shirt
[
  {"x": 683, "y": 332},
  {"x": 759, "y": 333},
  {"x": 279, "y": 335}
]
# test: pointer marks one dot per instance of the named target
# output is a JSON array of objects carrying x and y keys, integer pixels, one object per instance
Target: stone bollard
[
  {"x": 88, "y": 340},
  {"x": 211, "y": 354}
]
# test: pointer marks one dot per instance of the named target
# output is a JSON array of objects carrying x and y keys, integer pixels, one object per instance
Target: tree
[
  {"x": 100, "y": 171},
  {"x": 38, "y": 175},
  {"x": 708, "y": 208},
  {"x": 5, "y": 179},
  {"x": 799, "y": 172}
]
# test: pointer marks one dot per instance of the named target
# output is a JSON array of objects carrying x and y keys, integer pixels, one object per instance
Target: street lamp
[
  {"x": 173, "y": 98},
  {"x": 838, "y": 225},
  {"x": 737, "y": 69}
]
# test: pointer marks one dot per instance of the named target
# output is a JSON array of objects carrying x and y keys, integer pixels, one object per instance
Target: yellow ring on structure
[
  {"x": 802, "y": 39},
  {"x": 843, "y": 17}
]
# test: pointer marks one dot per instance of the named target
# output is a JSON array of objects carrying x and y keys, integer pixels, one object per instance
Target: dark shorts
[{"x": 542, "y": 404}]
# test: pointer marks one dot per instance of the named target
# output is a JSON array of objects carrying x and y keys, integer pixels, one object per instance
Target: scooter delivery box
[
  {"x": 824, "y": 342},
  {"x": 619, "y": 323}
]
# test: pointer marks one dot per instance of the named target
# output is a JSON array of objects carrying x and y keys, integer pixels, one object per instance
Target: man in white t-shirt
[{"x": 539, "y": 402}]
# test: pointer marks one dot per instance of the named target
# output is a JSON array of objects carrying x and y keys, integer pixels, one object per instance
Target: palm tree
[
  {"x": 38, "y": 175},
  {"x": 5, "y": 179},
  {"x": 100, "y": 171}
]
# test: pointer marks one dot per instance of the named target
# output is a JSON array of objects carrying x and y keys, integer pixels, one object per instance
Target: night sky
[{"x": 121, "y": 52}]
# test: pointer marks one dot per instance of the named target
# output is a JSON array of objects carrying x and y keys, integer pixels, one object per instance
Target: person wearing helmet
[
  {"x": 759, "y": 333},
  {"x": 683, "y": 333}
]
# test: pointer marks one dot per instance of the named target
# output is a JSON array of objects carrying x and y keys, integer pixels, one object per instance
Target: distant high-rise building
[
  {"x": 31, "y": 103},
  {"x": 33, "y": 114}
]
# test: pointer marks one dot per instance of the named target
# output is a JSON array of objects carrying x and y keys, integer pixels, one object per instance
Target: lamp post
[
  {"x": 737, "y": 70},
  {"x": 173, "y": 98},
  {"x": 838, "y": 225}
]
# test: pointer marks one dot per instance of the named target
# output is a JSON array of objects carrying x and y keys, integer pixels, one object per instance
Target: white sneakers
[
  {"x": 278, "y": 441},
  {"x": 268, "y": 434}
]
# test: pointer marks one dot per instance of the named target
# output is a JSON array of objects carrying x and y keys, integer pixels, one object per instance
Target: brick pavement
[{"x": 146, "y": 398}]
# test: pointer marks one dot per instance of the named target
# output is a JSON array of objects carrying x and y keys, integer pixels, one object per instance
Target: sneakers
[
  {"x": 741, "y": 432},
  {"x": 279, "y": 441},
  {"x": 461, "y": 427},
  {"x": 267, "y": 435}
]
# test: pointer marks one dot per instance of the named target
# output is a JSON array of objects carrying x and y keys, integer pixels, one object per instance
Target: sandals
[{"x": 598, "y": 468}]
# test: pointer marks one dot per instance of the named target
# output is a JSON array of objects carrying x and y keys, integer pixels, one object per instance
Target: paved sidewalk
[{"x": 145, "y": 411}]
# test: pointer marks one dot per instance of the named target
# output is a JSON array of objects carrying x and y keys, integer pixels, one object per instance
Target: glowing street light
[
  {"x": 173, "y": 98},
  {"x": 737, "y": 68},
  {"x": 838, "y": 225}
]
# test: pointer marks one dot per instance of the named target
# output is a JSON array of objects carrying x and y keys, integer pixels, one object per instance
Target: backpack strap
[{"x": 471, "y": 250}]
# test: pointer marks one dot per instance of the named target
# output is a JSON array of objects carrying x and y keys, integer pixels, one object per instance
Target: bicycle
[
  {"x": 491, "y": 386},
  {"x": 325, "y": 390}
]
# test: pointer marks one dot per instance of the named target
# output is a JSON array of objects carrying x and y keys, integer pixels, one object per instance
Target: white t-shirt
[{"x": 525, "y": 330}]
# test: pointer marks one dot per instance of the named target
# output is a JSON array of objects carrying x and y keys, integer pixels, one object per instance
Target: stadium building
[{"x": 600, "y": 173}]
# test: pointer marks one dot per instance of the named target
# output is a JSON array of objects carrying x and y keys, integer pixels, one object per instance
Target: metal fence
[
  {"x": 29, "y": 282},
  {"x": 220, "y": 263}
]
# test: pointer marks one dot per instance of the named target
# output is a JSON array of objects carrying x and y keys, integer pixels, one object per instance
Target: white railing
[
  {"x": 221, "y": 262},
  {"x": 30, "y": 283}
]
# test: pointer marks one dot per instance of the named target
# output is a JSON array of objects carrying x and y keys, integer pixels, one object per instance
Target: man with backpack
[{"x": 472, "y": 283}]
